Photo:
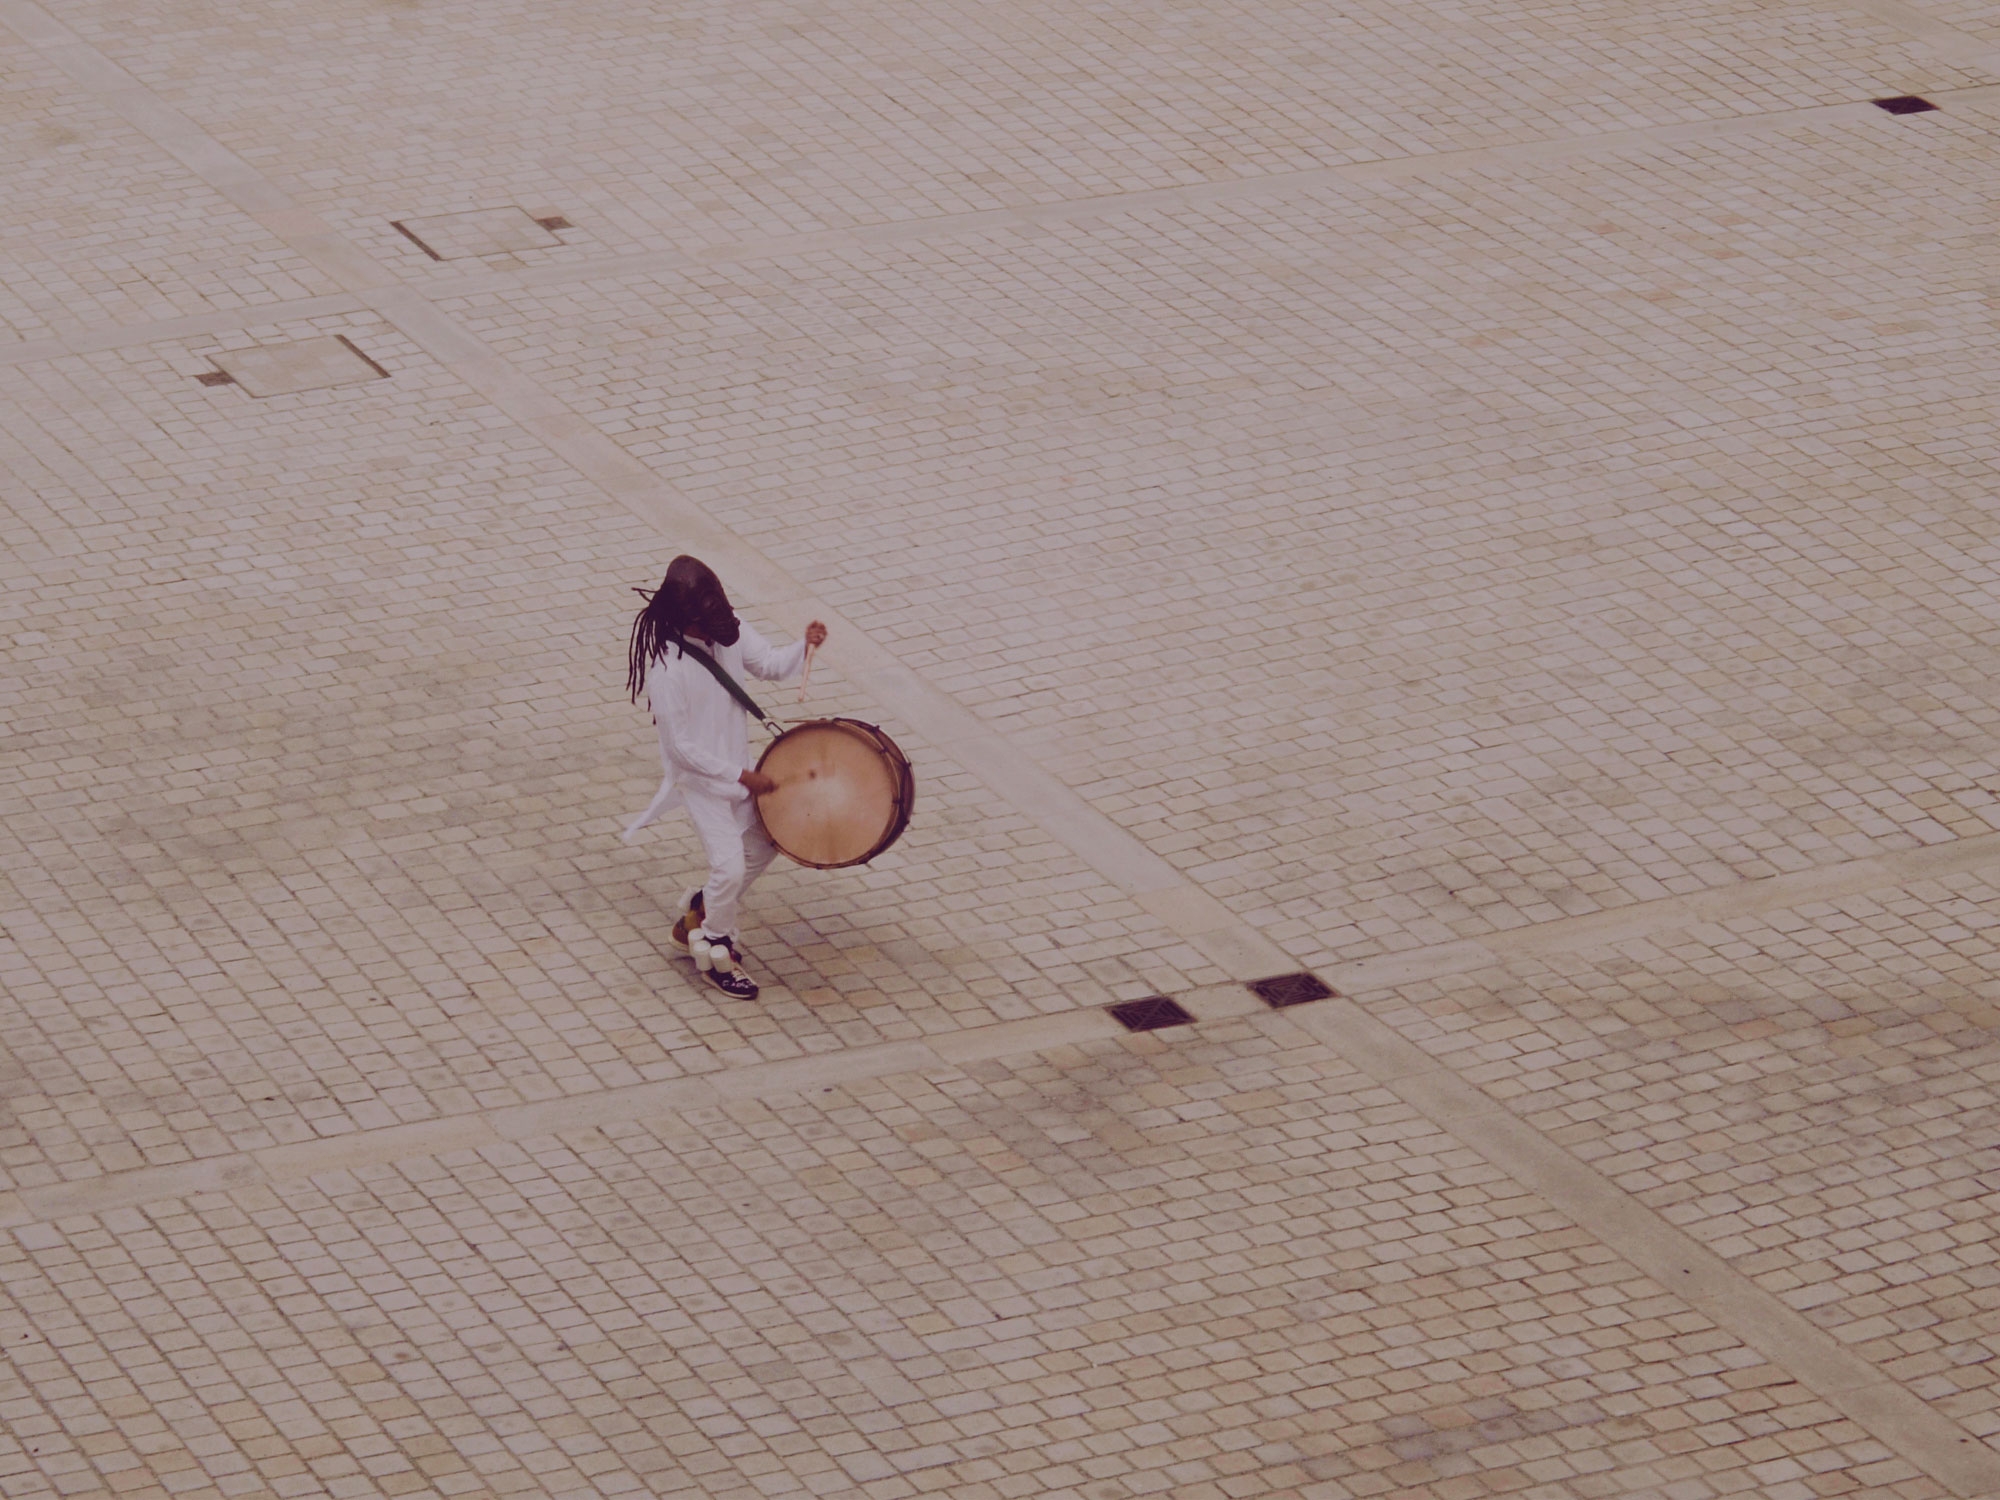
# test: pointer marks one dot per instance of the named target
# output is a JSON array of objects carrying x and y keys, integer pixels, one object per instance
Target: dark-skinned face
[
  {"x": 718, "y": 621},
  {"x": 699, "y": 603}
]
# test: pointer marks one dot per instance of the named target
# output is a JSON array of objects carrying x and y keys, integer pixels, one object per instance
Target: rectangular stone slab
[
  {"x": 308, "y": 365},
  {"x": 479, "y": 231}
]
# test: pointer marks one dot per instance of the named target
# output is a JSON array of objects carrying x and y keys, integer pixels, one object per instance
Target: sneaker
[
  {"x": 720, "y": 959},
  {"x": 690, "y": 918},
  {"x": 734, "y": 983}
]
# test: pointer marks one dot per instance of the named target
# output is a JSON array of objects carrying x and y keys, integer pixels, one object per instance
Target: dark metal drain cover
[
  {"x": 1149, "y": 1014},
  {"x": 1904, "y": 104},
  {"x": 216, "y": 377},
  {"x": 554, "y": 222},
  {"x": 1291, "y": 989}
]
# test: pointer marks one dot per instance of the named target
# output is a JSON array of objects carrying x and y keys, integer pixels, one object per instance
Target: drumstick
[{"x": 806, "y": 676}]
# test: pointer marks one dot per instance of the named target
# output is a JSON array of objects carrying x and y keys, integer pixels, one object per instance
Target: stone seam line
[
  {"x": 95, "y": 340},
  {"x": 1891, "y": 1413}
]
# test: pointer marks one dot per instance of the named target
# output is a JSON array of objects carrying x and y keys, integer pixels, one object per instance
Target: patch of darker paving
[{"x": 1494, "y": 1420}]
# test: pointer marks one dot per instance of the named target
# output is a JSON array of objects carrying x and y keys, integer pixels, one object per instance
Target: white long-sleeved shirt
[{"x": 704, "y": 733}]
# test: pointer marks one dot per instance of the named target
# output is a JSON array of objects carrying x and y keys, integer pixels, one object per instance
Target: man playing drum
[{"x": 688, "y": 651}]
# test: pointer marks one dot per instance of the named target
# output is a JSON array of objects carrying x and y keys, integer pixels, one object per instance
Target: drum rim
[{"x": 905, "y": 786}]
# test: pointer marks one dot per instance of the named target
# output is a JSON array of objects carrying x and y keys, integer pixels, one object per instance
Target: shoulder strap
[{"x": 721, "y": 675}]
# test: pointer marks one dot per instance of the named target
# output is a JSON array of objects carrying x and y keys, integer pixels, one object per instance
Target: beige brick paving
[
  {"x": 335, "y": 846},
  {"x": 1976, "y": 19},
  {"x": 1472, "y": 467},
  {"x": 1652, "y": 441},
  {"x": 686, "y": 124},
  {"x": 1811, "y": 1093},
  {"x": 96, "y": 234},
  {"x": 1220, "y": 1267}
]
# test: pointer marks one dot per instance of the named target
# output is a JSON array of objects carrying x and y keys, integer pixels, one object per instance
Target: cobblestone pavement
[{"x": 1490, "y": 505}]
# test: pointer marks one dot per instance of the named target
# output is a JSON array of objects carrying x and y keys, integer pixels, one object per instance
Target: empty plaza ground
[{"x": 1488, "y": 503}]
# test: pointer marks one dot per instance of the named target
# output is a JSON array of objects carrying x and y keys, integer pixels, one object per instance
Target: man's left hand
[{"x": 815, "y": 635}]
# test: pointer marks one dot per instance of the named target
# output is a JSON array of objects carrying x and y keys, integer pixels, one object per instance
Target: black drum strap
[{"x": 735, "y": 688}]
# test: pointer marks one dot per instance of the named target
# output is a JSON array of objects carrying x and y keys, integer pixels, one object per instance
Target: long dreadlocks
[{"x": 689, "y": 598}]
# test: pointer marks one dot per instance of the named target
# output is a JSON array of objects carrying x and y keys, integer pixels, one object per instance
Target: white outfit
[{"x": 704, "y": 746}]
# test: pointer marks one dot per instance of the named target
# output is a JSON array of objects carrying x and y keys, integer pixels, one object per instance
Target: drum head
[{"x": 843, "y": 793}]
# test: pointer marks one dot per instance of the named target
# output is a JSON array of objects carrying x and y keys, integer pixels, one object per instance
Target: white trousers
[{"x": 738, "y": 852}]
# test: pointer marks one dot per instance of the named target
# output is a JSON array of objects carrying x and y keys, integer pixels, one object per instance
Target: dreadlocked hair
[
  {"x": 689, "y": 597},
  {"x": 653, "y": 631}
]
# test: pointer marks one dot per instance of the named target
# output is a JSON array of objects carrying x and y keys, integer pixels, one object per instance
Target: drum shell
[{"x": 897, "y": 775}]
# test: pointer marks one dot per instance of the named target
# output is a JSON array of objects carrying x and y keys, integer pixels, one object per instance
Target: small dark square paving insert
[
  {"x": 1291, "y": 989},
  {"x": 216, "y": 377},
  {"x": 1150, "y": 1014},
  {"x": 1904, "y": 104}
]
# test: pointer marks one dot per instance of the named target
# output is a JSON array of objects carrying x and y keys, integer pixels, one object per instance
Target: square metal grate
[
  {"x": 1904, "y": 104},
  {"x": 1291, "y": 989},
  {"x": 216, "y": 377},
  {"x": 1150, "y": 1014}
]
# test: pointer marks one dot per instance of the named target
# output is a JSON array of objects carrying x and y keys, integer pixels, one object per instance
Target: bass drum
[{"x": 844, "y": 792}]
